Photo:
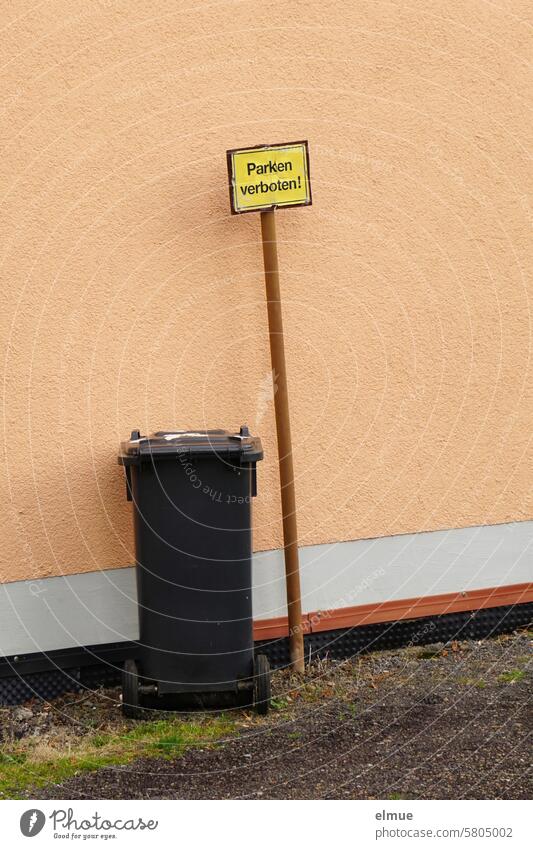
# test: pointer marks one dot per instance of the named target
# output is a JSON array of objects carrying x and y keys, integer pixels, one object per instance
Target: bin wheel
[
  {"x": 130, "y": 690},
  {"x": 262, "y": 690}
]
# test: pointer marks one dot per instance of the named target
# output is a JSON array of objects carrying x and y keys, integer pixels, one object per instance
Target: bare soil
[{"x": 441, "y": 722}]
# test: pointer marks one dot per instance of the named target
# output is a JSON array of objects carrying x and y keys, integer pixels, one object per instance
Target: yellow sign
[{"x": 268, "y": 177}]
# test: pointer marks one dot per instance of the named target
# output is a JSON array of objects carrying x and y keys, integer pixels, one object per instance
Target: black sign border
[{"x": 229, "y": 154}]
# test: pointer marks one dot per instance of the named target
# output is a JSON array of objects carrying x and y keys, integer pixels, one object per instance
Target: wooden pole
[{"x": 283, "y": 429}]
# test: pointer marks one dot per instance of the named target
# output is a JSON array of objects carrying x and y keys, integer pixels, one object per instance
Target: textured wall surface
[{"x": 130, "y": 296}]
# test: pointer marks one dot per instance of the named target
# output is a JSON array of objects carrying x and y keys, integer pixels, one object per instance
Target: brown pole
[{"x": 283, "y": 429}]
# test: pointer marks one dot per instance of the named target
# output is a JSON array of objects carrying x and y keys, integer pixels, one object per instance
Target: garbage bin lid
[{"x": 194, "y": 443}]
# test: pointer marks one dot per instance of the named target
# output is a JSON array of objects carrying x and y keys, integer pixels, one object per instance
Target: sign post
[{"x": 262, "y": 179}]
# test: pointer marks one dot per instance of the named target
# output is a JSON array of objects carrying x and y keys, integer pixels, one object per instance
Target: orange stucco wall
[{"x": 131, "y": 296}]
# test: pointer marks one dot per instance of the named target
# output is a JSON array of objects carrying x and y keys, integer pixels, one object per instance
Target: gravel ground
[{"x": 440, "y": 722}]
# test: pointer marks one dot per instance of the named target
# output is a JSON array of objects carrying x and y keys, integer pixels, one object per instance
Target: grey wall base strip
[
  {"x": 18, "y": 686},
  {"x": 99, "y": 608}
]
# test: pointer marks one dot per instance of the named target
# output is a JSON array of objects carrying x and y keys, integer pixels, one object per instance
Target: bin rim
[{"x": 166, "y": 444}]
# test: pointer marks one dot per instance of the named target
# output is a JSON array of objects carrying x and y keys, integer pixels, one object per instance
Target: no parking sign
[{"x": 269, "y": 177}]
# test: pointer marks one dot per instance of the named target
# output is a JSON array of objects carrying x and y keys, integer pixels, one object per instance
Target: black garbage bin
[{"x": 192, "y": 497}]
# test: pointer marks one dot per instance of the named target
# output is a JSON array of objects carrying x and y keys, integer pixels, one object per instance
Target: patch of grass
[
  {"x": 279, "y": 704},
  {"x": 397, "y": 796},
  {"x": 100, "y": 740},
  {"x": 30, "y": 763},
  {"x": 472, "y": 682},
  {"x": 294, "y": 735},
  {"x": 512, "y": 676},
  {"x": 169, "y": 744},
  {"x": 15, "y": 758}
]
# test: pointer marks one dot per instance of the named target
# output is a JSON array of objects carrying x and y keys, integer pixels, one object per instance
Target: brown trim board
[{"x": 393, "y": 611}]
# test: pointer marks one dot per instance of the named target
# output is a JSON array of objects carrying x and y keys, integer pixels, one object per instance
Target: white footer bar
[{"x": 264, "y": 824}]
